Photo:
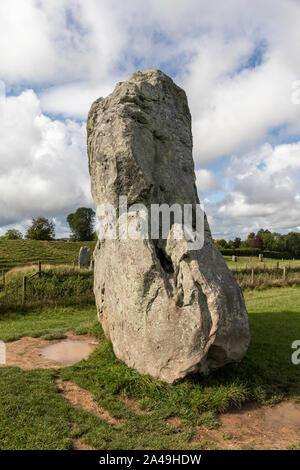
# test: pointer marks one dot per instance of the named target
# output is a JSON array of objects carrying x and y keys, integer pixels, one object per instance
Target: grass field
[
  {"x": 23, "y": 252},
  {"x": 34, "y": 415},
  {"x": 59, "y": 285},
  {"x": 247, "y": 261}
]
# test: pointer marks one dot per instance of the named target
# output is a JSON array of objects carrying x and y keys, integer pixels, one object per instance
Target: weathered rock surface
[
  {"x": 167, "y": 310},
  {"x": 84, "y": 257}
]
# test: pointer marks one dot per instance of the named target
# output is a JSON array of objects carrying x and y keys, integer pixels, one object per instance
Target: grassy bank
[
  {"x": 23, "y": 252},
  {"x": 34, "y": 415},
  {"x": 58, "y": 285},
  {"x": 262, "y": 276},
  {"x": 253, "y": 262}
]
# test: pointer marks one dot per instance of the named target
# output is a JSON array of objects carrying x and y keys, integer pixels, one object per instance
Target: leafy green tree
[
  {"x": 279, "y": 242},
  {"x": 248, "y": 242},
  {"x": 258, "y": 242},
  {"x": 41, "y": 229},
  {"x": 267, "y": 238},
  {"x": 231, "y": 244},
  {"x": 292, "y": 243},
  {"x": 237, "y": 242},
  {"x": 82, "y": 224},
  {"x": 221, "y": 243},
  {"x": 13, "y": 234}
]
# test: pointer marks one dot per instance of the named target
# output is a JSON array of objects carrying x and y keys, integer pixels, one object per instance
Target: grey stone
[
  {"x": 261, "y": 257},
  {"x": 84, "y": 257},
  {"x": 168, "y": 311}
]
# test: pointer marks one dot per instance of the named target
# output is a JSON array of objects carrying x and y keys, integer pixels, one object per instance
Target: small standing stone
[
  {"x": 234, "y": 258},
  {"x": 261, "y": 257},
  {"x": 84, "y": 257}
]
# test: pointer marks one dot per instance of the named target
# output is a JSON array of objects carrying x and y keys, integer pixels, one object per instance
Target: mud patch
[
  {"x": 26, "y": 352},
  {"x": 254, "y": 427},
  {"x": 81, "y": 398}
]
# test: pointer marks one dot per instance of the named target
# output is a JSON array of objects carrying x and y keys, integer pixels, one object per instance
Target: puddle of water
[{"x": 68, "y": 352}]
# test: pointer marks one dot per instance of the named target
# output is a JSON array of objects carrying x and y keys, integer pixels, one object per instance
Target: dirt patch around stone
[
  {"x": 26, "y": 352},
  {"x": 81, "y": 398},
  {"x": 254, "y": 427}
]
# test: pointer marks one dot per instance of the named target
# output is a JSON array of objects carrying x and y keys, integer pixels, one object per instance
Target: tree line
[
  {"x": 266, "y": 240},
  {"x": 81, "y": 224},
  {"x": 82, "y": 221}
]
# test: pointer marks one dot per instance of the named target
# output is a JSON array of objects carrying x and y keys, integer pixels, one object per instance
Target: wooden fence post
[
  {"x": 24, "y": 288},
  {"x": 252, "y": 276},
  {"x": 284, "y": 273},
  {"x": 40, "y": 268}
]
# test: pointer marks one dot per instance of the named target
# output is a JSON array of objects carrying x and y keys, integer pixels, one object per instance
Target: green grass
[
  {"x": 252, "y": 261},
  {"x": 23, "y": 252},
  {"x": 49, "y": 322},
  {"x": 58, "y": 285},
  {"x": 35, "y": 416}
]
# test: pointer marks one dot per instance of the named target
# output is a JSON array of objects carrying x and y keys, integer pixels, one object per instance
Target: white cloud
[
  {"x": 206, "y": 181},
  {"x": 26, "y": 49},
  {"x": 237, "y": 62},
  {"x": 264, "y": 192},
  {"x": 73, "y": 99},
  {"x": 43, "y": 163}
]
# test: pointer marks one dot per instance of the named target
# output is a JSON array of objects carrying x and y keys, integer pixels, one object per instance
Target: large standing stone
[
  {"x": 167, "y": 310},
  {"x": 84, "y": 257}
]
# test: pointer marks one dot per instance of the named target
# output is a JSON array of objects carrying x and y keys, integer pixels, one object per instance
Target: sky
[{"x": 238, "y": 62}]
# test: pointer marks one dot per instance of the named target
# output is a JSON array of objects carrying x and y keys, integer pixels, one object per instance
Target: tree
[
  {"x": 237, "y": 242},
  {"x": 267, "y": 238},
  {"x": 248, "y": 242},
  {"x": 257, "y": 242},
  {"x": 13, "y": 234},
  {"x": 279, "y": 241},
  {"x": 221, "y": 243},
  {"x": 292, "y": 243},
  {"x": 41, "y": 229},
  {"x": 231, "y": 244},
  {"x": 82, "y": 224}
]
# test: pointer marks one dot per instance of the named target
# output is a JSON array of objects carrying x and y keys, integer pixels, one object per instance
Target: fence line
[{"x": 27, "y": 278}]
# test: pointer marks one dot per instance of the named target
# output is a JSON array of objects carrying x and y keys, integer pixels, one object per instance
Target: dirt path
[
  {"x": 254, "y": 427},
  {"x": 26, "y": 353},
  {"x": 81, "y": 398}
]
